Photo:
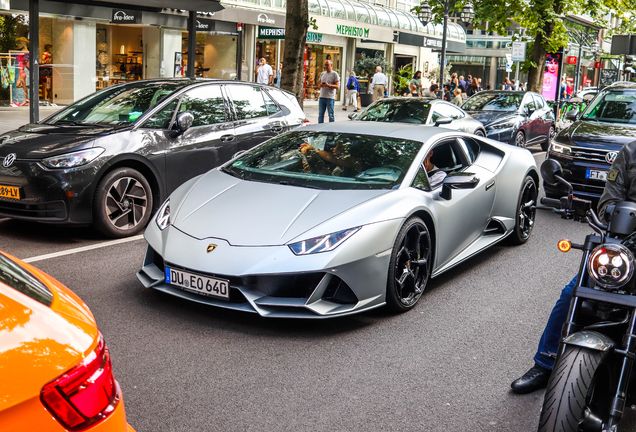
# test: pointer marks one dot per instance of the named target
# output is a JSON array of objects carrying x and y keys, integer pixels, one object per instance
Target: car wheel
[
  {"x": 520, "y": 139},
  {"x": 479, "y": 133},
  {"x": 410, "y": 266},
  {"x": 123, "y": 203},
  {"x": 525, "y": 214},
  {"x": 546, "y": 144}
]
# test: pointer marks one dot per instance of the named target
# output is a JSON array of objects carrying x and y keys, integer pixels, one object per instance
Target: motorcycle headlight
[
  {"x": 611, "y": 265},
  {"x": 163, "y": 215},
  {"x": 75, "y": 159},
  {"x": 560, "y": 148},
  {"x": 325, "y": 243}
]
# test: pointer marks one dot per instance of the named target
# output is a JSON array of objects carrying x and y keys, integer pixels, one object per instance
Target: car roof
[
  {"x": 420, "y": 133},
  {"x": 621, "y": 85},
  {"x": 193, "y": 81},
  {"x": 519, "y": 92}
]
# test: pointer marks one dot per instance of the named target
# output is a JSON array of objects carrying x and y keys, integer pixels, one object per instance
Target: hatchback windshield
[
  {"x": 117, "y": 105},
  {"x": 328, "y": 160},
  {"x": 493, "y": 102},
  {"x": 397, "y": 110},
  {"x": 616, "y": 106}
]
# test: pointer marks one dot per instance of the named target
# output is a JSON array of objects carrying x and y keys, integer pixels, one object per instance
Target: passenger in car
[
  {"x": 335, "y": 153},
  {"x": 436, "y": 176}
]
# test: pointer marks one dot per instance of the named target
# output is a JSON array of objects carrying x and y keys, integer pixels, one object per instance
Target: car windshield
[
  {"x": 328, "y": 160},
  {"x": 397, "y": 111},
  {"x": 615, "y": 106},
  {"x": 117, "y": 105},
  {"x": 493, "y": 102},
  {"x": 20, "y": 279}
]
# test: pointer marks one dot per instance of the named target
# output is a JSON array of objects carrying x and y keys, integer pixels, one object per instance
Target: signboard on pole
[
  {"x": 519, "y": 51},
  {"x": 508, "y": 62},
  {"x": 551, "y": 76}
]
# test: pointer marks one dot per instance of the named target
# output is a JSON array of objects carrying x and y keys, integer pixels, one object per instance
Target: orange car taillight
[{"x": 86, "y": 394}]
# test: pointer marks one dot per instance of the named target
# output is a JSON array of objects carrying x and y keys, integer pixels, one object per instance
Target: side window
[
  {"x": 529, "y": 102},
  {"x": 471, "y": 148},
  {"x": 205, "y": 103},
  {"x": 248, "y": 101},
  {"x": 421, "y": 180},
  {"x": 272, "y": 108},
  {"x": 161, "y": 119},
  {"x": 447, "y": 110}
]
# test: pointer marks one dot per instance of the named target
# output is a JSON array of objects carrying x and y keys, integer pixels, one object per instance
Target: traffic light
[{"x": 629, "y": 64}]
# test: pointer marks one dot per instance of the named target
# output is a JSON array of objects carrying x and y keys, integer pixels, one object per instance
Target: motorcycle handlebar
[{"x": 551, "y": 202}]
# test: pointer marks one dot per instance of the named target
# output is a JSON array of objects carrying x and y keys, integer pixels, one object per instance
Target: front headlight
[
  {"x": 322, "y": 244},
  {"x": 502, "y": 125},
  {"x": 75, "y": 159},
  {"x": 560, "y": 148},
  {"x": 163, "y": 215},
  {"x": 611, "y": 265}
]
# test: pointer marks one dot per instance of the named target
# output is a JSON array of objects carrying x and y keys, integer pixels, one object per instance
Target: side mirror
[
  {"x": 183, "y": 123},
  {"x": 443, "y": 121},
  {"x": 458, "y": 181},
  {"x": 572, "y": 115},
  {"x": 353, "y": 116},
  {"x": 528, "y": 111},
  {"x": 549, "y": 169}
]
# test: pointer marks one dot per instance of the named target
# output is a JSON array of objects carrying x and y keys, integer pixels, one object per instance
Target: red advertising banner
[{"x": 572, "y": 60}]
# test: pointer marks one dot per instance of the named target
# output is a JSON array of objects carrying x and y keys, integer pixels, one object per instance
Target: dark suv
[{"x": 588, "y": 147}]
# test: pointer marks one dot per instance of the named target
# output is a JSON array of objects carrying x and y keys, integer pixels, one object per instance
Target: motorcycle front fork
[{"x": 628, "y": 354}]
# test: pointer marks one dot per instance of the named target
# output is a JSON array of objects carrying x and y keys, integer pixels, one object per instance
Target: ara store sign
[{"x": 125, "y": 16}]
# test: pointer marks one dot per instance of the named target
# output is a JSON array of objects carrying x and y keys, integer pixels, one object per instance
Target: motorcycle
[{"x": 592, "y": 377}]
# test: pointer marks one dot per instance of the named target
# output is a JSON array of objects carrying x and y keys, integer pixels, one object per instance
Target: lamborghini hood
[{"x": 250, "y": 213}]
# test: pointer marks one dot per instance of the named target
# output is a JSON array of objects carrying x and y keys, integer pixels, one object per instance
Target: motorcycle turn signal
[{"x": 564, "y": 245}]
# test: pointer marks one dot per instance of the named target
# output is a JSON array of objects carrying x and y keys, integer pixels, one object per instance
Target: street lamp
[{"x": 467, "y": 16}]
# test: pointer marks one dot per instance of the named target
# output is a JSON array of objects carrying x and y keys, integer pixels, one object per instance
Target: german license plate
[
  {"x": 9, "y": 192},
  {"x": 596, "y": 174},
  {"x": 199, "y": 284}
]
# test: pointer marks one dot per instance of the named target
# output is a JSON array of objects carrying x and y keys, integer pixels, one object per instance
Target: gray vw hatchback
[{"x": 111, "y": 158}]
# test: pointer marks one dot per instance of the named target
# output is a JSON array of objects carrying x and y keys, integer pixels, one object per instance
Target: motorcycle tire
[{"x": 578, "y": 387}]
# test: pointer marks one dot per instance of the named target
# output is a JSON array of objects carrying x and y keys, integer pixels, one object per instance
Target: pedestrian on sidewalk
[
  {"x": 353, "y": 88},
  {"x": 379, "y": 83},
  {"x": 329, "y": 82},
  {"x": 264, "y": 72}
]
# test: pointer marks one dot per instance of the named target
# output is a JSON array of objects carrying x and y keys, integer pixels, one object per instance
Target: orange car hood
[{"x": 38, "y": 343}]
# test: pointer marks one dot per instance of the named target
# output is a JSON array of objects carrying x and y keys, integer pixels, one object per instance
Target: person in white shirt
[
  {"x": 264, "y": 72},
  {"x": 435, "y": 175},
  {"x": 378, "y": 84}
]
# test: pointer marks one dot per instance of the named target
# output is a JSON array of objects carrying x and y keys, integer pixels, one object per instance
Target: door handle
[{"x": 227, "y": 138}]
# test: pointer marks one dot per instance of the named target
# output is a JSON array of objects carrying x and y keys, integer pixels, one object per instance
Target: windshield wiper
[{"x": 232, "y": 173}]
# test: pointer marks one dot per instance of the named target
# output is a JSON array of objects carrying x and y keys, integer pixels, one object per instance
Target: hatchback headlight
[
  {"x": 72, "y": 160},
  {"x": 325, "y": 243},
  {"x": 560, "y": 148},
  {"x": 163, "y": 215},
  {"x": 502, "y": 125},
  {"x": 611, "y": 265}
]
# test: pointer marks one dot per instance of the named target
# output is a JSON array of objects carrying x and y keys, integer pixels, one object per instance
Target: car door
[
  {"x": 462, "y": 219},
  {"x": 531, "y": 118},
  {"x": 544, "y": 123},
  {"x": 209, "y": 142},
  {"x": 257, "y": 116}
]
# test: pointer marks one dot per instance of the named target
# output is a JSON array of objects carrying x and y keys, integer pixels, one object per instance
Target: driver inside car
[
  {"x": 436, "y": 176},
  {"x": 620, "y": 186},
  {"x": 339, "y": 162}
]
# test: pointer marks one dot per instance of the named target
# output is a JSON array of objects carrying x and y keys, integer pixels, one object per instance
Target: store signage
[
  {"x": 346, "y": 30},
  {"x": 263, "y": 18},
  {"x": 271, "y": 33},
  {"x": 569, "y": 79},
  {"x": 597, "y": 65},
  {"x": 205, "y": 25},
  {"x": 314, "y": 37},
  {"x": 123, "y": 16},
  {"x": 571, "y": 59},
  {"x": 428, "y": 42}
]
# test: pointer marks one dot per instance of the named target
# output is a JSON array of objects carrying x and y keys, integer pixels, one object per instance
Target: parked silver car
[
  {"x": 339, "y": 218},
  {"x": 426, "y": 111}
]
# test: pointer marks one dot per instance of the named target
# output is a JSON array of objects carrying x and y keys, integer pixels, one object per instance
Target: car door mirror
[
  {"x": 528, "y": 110},
  {"x": 572, "y": 115},
  {"x": 183, "y": 123},
  {"x": 458, "y": 181},
  {"x": 443, "y": 121},
  {"x": 353, "y": 116},
  {"x": 549, "y": 169}
]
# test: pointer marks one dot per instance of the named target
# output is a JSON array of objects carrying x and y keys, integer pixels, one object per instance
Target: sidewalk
[{"x": 12, "y": 118}]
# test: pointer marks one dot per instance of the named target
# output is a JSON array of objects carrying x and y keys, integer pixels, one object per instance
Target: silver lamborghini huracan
[{"x": 339, "y": 218}]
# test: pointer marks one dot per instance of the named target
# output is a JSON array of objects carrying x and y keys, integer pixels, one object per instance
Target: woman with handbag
[{"x": 353, "y": 88}]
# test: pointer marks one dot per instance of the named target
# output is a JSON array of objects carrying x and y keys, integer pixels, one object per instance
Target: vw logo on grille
[
  {"x": 8, "y": 160},
  {"x": 610, "y": 157}
]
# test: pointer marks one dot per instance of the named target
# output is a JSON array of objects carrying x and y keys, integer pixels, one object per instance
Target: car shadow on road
[{"x": 12, "y": 229}]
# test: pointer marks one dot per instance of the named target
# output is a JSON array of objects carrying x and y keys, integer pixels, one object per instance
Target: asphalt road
[{"x": 444, "y": 366}]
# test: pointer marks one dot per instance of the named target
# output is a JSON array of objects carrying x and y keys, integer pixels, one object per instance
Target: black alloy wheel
[
  {"x": 123, "y": 203},
  {"x": 410, "y": 266},
  {"x": 524, "y": 218},
  {"x": 520, "y": 139},
  {"x": 551, "y": 134}
]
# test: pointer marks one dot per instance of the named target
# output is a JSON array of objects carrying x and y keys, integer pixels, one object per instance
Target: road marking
[{"x": 82, "y": 249}]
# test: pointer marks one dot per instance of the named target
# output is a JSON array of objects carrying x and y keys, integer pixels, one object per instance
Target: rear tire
[
  {"x": 525, "y": 214},
  {"x": 123, "y": 203},
  {"x": 551, "y": 134},
  {"x": 577, "y": 392}
]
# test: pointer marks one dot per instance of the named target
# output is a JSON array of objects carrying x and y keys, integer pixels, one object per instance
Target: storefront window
[
  {"x": 266, "y": 48},
  {"x": 119, "y": 54},
  {"x": 316, "y": 56},
  {"x": 215, "y": 56}
]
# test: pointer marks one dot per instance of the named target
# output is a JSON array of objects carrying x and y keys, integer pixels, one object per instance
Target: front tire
[
  {"x": 525, "y": 214},
  {"x": 123, "y": 203},
  {"x": 410, "y": 266},
  {"x": 520, "y": 139},
  {"x": 578, "y": 392}
]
